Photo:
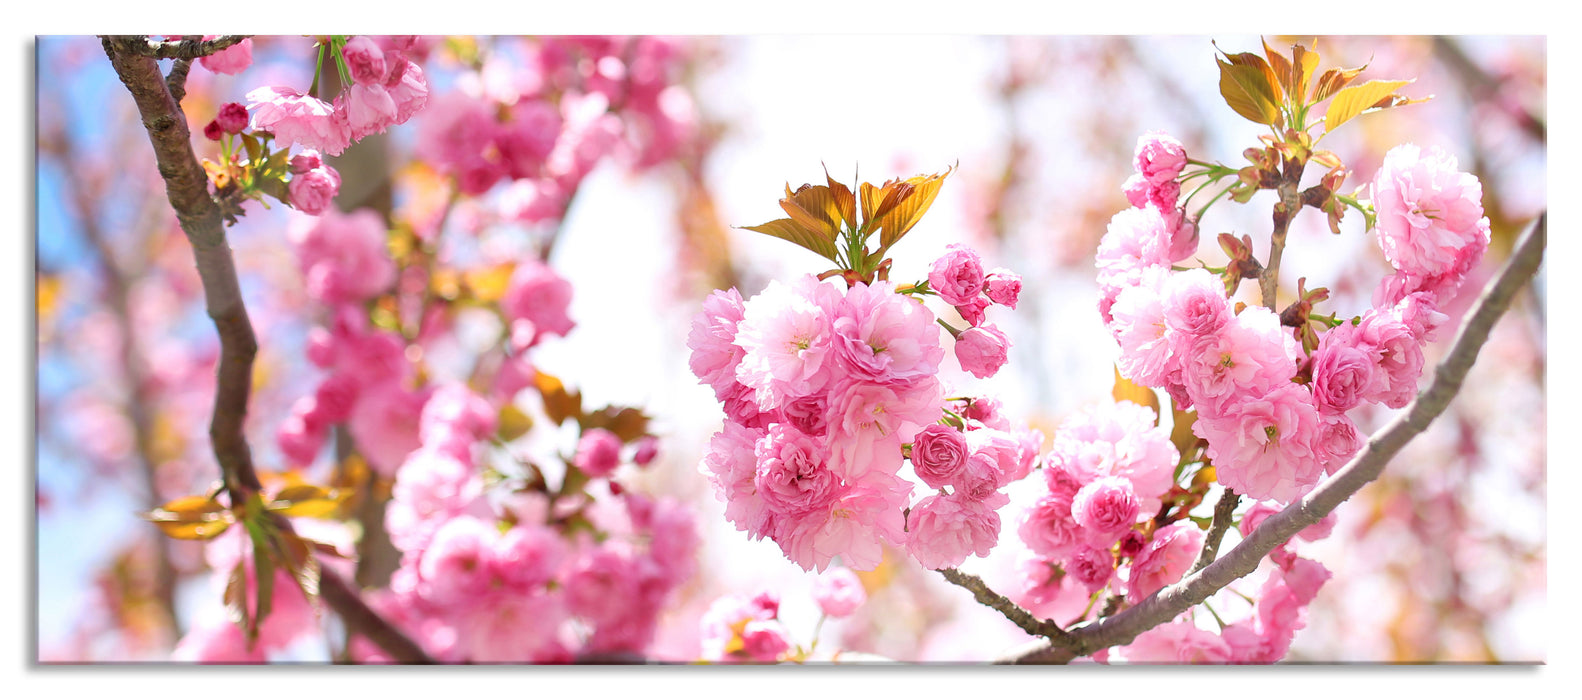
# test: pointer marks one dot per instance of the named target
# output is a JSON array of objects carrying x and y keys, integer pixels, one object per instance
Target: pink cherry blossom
[
  {"x": 297, "y": 118},
  {"x": 598, "y": 453},
  {"x": 1195, "y": 306},
  {"x": 1159, "y": 157},
  {"x": 343, "y": 257},
  {"x": 313, "y": 191},
  {"x": 1048, "y": 528},
  {"x": 1262, "y": 445},
  {"x": 882, "y": 336},
  {"x": 1399, "y": 355},
  {"x": 1344, "y": 370},
  {"x": 715, "y": 353},
  {"x": 945, "y": 529},
  {"x": 839, "y": 592},
  {"x": 1250, "y": 355},
  {"x": 1003, "y": 287},
  {"x": 982, "y": 350},
  {"x": 541, "y": 296},
  {"x": 1164, "y": 561},
  {"x": 1093, "y": 567},
  {"x": 957, "y": 276},
  {"x": 793, "y": 475},
  {"x": 231, "y": 60},
  {"x": 1178, "y": 642},
  {"x": 939, "y": 452},
  {"x": 1105, "y": 508},
  {"x": 365, "y": 60},
  {"x": 786, "y": 334},
  {"x": 1428, "y": 211},
  {"x": 1138, "y": 322},
  {"x": 730, "y": 464}
]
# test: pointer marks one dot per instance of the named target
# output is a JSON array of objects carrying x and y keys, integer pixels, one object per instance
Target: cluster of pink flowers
[
  {"x": 1106, "y": 474},
  {"x": 1268, "y": 436},
  {"x": 958, "y": 278},
  {"x": 500, "y": 581},
  {"x": 543, "y": 128},
  {"x": 739, "y": 629},
  {"x": 387, "y": 88},
  {"x": 822, "y": 388}
]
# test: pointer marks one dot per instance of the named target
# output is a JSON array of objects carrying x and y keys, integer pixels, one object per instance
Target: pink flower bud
[
  {"x": 647, "y": 449},
  {"x": 839, "y": 592},
  {"x": 305, "y": 161},
  {"x": 598, "y": 453},
  {"x": 957, "y": 276},
  {"x": 1003, "y": 286},
  {"x": 213, "y": 131},
  {"x": 232, "y": 60},
  {"x": 232, "y": 118},
  {"x": 982, "y": 350},
  {"x": 938, "y": 454}
]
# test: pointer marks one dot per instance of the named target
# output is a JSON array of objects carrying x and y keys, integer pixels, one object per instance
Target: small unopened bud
[
  {"x": 233, "y": 118},
  {"x": 213, "y": 132}
]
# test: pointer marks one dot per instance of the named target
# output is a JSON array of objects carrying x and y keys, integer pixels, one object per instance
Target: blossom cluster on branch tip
[{"x": 828, "y": 387}]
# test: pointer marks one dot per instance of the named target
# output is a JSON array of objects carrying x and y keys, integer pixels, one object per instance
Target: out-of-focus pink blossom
[
  {"x": 598, "y": 453},
  {"x": 540, "y": 295},
  {"x": 231, "y": 60},
  {"x": 1178, "y": 642},
  {"x": 313, "y": 192},
  {"x": 839, "y": 592},
  {"x": 343, "y": 257}
]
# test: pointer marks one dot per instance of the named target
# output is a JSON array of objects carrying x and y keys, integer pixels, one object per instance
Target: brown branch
[
  {"x": 176, "y": 81},
  {"x": 1224, "y": 511},
  {"x": 179, "y": 48},
  {"x": 1284, "y": 211},
  {"x": 1361, "y": 470},
  {"x": 186, "y": 186},
  {"x": 1013, "y": 612}
]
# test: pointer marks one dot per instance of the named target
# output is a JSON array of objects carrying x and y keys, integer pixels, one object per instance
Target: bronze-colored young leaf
[
  {"x": 1303, "y": 62},
  {"x": 1356, "y": 99},
  {"x": 1280, "y": 66},
  {"x": 191, "y": 518},
  {"x": 512, "y": 422},
  {"x": 815, "y": 208},
  {"x": 559, "y": 404},
  {"x": 913, "y": 198},
  {"x": 628, "y": 423},
  {"x": 1247, "y": 90},
  {"x": 306, "y": 501},
  {"x": 1332, "y": 81},
  {"x": 845, "y": 201},
  {"x": 236, "y": 597},
  {"x": 1127, "y": 390},
  {"x": 790, "y": 230},
  {"x": 298, "y": 558}
]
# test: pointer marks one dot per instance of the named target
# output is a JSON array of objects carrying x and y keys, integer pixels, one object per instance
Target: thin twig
[
  {"x": 1224, "y": 511},
  {"x": 1013, "y": 612},
  {"x": 1363, "y": 468},
  {"x": 176, "y": 81}
]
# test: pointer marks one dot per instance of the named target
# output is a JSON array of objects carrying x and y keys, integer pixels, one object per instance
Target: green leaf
[
  {"x": 1356, "y": 99},
  {"x": 1247, "y": 90},
  {"x": 790, "y": 230}
]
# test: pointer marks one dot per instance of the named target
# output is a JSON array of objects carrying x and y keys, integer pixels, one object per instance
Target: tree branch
[
  {"x": 1363, "y": 468},
  {"x": 180, "y": 48},
  {"x": 1224, "y": 510},
  {"x": 187, "y": 188},
  {"x": 1013, "y": 612}
]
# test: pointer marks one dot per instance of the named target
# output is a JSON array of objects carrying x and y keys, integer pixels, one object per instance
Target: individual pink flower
[
  {"x": 1048, "y": 528},
  {"x": 1137, "y": 188},
  {"x": 1159, "y": 157},
  {"x": 1135, "y": 238},
  {"x": 1116, "y": 439},
  {"x": 1002, "y": 286},
  {"x": 1262, "y": 446},
  {"x": 728, "y": 619},
  {"x": 365, "y": 60},
  {"x": 231, "y": 60},
  {"x": 1178, "y": 642},
  {"x": 1261, "y": 510},
  {"x": 1250, "y": 355},
  {"x": 1138, "y": 322},
  {"x": 731, "y": 465},
  {"x": 786, "y": 332},
  {"x": 839, "y": 592},
  {"x": 1399, "y": 354},
  {"x": 1428, "y": 211},
  {"x": 882, "y": 336},
  {"x": 540, "y": 295},
  {"x": 297, "y": 118},
  {"x": 982, "y": 350},
  {"x": 1105, "y": 508},
  {"x": 712, "y": 337},
  {"x": 457, "y": 565},
  {"x": 407, "y": 86},
  {"x": 1093, "y": 567},
  {"x": 598, "y": 453},
  {"x": 1164, "y": 561},
  {"x": 1344, "y": 371},
  {"x": 385, "y": 425},
  {"x": 1183, "y": 229},
  {"x": 793, "y": 474},
  {"x": 939, "y": 453},
  {"x": 343, "y": 257},
  {"x": 854, "y": 529},
  {"x": 367, "y": 109},
  {"x": 957, "y": 276},
  {"x": 1011, "y": 460},
  {"x": 1195, "y": 305},
  {"x": 894, "y": 411},
  {"x": 945, "y": 529},
  {"x": 528, "y": 556},
  {"x": 1337, "y": 440},
  {"x": 313, "y": 192},
  {"x": 454, "y": 418},
  {"x": 501, "y": 628}
]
